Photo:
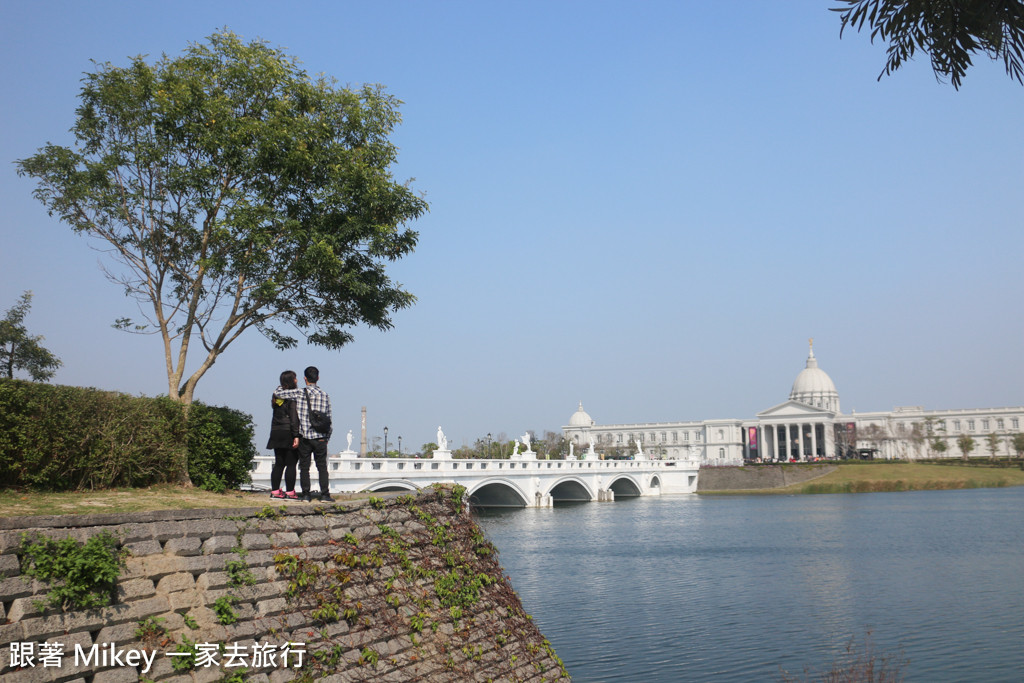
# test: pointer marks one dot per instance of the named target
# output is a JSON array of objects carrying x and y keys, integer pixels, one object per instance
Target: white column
[
  {"x": 775, "y": 441},
  {"x": 814, "y": 440}
]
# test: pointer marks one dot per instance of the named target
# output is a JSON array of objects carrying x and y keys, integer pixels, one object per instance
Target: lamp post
[
  {"x": 488, "y": 444},
  {"x": 385, "y": 442},
  {"x": 399, "y": 447}
]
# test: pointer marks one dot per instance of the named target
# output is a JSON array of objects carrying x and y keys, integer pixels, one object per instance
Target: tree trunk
[{"x": 179, "y": 472}]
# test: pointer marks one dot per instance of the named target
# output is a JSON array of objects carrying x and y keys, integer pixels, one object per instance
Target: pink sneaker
[
  {"x": 277, "y": 494},
  {"x": 291, "y": 495}
]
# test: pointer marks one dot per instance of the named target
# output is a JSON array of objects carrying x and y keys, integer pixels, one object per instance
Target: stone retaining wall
[
  {"x": 757, "y": 476},
  {"x": 394, "y": 588}
]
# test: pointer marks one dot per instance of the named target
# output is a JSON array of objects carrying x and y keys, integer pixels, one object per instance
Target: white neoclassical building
[{"x": 807, "y": 426}]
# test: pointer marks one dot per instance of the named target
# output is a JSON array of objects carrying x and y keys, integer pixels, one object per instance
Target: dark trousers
[
  {"x": 318, "y": 449},
  {"x": 284, "y": 462}
]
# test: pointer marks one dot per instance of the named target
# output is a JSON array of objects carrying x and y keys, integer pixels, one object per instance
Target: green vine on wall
[
  {"x": 80, "y": 575},
  {"x": 222, "y": 607},
  {"x": 186, "y": 653}
]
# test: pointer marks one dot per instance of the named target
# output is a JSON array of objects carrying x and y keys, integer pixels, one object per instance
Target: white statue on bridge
[
  {"x": 639, "y": 449},
  {"x": 348, "y": 452},
  {"x": 526, "y": 441},
  {"x": 571, "y": 456},
  {"x": 515, "y": 453},
  {"x": 442, "y": 440},
  {"x": 591, "y": 453}
]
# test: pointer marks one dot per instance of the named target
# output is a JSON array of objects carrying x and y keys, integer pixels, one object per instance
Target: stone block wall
[
  {"x": 393, "y": 588},
  {"x": 757, "y": 476}
]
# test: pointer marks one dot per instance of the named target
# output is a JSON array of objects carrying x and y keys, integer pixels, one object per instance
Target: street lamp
[
  {"x": 399, "y": 447},
  {"x": 385, "y": 442},
  {"x": 488, "y": 444}
]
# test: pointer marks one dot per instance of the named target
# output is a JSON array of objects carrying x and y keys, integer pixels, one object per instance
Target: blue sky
[{"x": 647, "y": 207}]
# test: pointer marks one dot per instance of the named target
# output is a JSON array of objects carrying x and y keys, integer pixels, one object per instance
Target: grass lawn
[
  {"x": 865, "y": 477},
  {"x": 165, "y": 497}
]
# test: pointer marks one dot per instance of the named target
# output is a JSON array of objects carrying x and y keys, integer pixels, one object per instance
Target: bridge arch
[
  {"x": 625, "y": 486},
  {"x": 570, "y": 489},
  {"x": 497, "y": 492},
  {"x": 391, "y": 485},
  {"x": 655, "y": 481}
]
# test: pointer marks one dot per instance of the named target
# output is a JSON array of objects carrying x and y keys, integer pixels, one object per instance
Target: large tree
[
  {"x": 949, "y": 31},
  {"x": 233, "y": 191},
  {"x": 20, "y": 350}
]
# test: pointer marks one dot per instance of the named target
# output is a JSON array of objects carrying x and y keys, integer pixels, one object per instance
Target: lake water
[{"x": 731, "y": 588}]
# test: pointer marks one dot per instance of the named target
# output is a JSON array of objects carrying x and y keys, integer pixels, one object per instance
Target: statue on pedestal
[
  {"x": 442, "y": 440},
  {"x": 348, "y": 452},
  {"x": 526, "y": 441}
]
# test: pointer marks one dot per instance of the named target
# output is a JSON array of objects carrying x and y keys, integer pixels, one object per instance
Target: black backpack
[{"x": 319, "y": 421}]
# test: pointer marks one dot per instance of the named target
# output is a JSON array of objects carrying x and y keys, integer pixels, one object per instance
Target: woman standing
[{"x": 284, "y": 439}]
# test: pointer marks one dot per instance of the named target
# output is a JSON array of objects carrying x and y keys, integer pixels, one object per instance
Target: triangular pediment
[{"x": 795, "y": 409}]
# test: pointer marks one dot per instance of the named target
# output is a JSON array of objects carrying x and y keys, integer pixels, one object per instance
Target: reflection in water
[{"x": 733, "y": 588}]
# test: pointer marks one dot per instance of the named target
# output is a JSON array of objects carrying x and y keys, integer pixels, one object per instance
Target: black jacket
[{"x": 284, "y": 425}]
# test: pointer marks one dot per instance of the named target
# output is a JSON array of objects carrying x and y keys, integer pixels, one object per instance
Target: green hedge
[
  {"x": 220, "y": 447},
  {"x": 61, "y": 438}
]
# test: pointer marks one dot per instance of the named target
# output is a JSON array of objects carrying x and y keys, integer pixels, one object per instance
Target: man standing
[{"x": 312, "y": 441}]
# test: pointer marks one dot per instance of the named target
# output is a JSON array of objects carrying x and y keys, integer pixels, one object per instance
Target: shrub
[
  {"x": 220, "y": 447},
  {"x": 60, "y": 438}
]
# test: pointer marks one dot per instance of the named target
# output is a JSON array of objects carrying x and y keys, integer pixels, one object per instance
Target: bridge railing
[{"x": 411, "y": 466}]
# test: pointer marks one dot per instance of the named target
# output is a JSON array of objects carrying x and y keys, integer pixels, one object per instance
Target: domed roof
[
  {"x": 814, "y": 387},
  {"x": 580, "y": 418}
]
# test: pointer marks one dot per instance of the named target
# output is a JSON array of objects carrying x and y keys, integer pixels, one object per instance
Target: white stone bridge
[{"x": 507, "y": 483}]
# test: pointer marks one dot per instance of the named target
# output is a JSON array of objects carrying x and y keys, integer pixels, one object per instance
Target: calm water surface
[{"x": 690, "y": 588}]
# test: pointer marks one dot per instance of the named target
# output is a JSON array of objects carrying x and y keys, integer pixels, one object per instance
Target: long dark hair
[{"x": 288, "y": 380}]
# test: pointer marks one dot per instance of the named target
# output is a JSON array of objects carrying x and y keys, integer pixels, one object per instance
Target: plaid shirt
[{"x": 318, "y": 400}]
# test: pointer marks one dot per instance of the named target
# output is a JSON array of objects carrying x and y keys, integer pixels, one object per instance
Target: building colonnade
[{"x": 788, "y": 441}]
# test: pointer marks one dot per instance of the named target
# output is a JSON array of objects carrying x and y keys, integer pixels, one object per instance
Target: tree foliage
[
  {"x": 949, "y": 31},
  {"x": 966, "y": 444},
  {"x": 992, "y": 441},
  {"x": 1017, "y": 442},
  {"x": 233, "y": 191},
  {"x": 20, "y": 350}
]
